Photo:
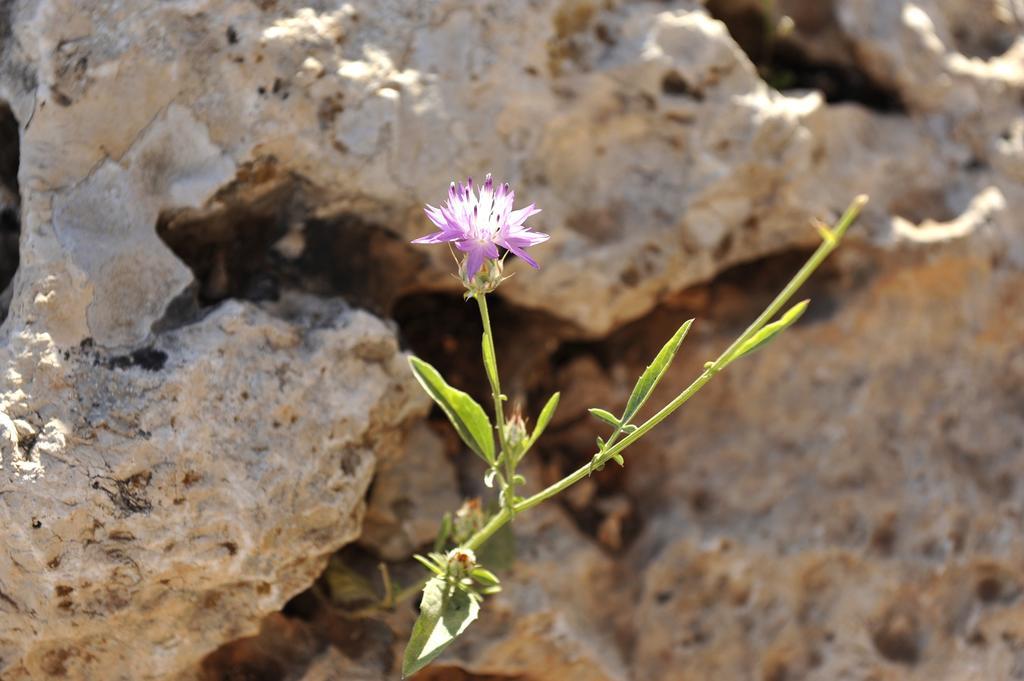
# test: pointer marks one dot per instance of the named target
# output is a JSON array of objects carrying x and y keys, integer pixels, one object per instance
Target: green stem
[
  {"x": 829, "y": 244},
  {"x": 499, "y": 412},
  {"x": 492, "y": 526},
  {"x": 499, "y": 408}
]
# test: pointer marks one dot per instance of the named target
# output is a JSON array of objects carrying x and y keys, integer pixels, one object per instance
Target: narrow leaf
[
  {"x": 542, "y": 421},
  {"x": 649, "y": 379},
  {"x": 445, "y": 612},
  {"x": 467, "y": 416},
  {"x": 484, "y": 576},
  {"x": 770, "y": 331},
  {"x": 605, "y": 416},
  {"x": 490, "y": 363},
  {"x": 428, "y": 564}
]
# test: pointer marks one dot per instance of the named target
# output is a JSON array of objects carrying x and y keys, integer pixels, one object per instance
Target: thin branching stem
[{"x": 831, "y": 239}]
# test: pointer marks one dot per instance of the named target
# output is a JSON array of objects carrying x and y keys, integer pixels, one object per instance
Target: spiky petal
[{"x": 478, "y": 222}]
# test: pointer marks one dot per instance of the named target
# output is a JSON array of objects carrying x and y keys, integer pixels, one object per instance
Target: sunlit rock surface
[{"x": 215, "y": 200}]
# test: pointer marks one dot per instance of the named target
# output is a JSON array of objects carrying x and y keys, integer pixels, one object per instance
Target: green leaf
[
  {"x": 428, "y": 564},
  {"x": 466, "y": 415},
  {"x": 649, "y": 379},
  {"x": 484, "y": 576},
  {"x": 770, "y": 331},
  {"x": 490, "y": 363},
  {"x": 445, "y": 613},
  {"x": 605, "y": 416},
  {"x": 542, "y": 421}
]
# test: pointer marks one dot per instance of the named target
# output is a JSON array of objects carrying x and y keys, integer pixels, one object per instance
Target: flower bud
[
  {"x": 461, "y": 561},
  {"x": 468, "y": 520},
  {"x": 516, "y": 434}
]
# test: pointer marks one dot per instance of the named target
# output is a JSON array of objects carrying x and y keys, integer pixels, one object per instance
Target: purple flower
[{"x": 479, "y": 224}]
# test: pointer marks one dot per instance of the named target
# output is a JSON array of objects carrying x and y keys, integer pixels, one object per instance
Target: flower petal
[
  {"x": 438, "y": 237},
  {"x": 518, "y": 217},
  {"x": 519, "y": 252},
  {"x": 474, "y": 259}
]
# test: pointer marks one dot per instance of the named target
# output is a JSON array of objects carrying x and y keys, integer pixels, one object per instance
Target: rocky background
[{"x": 206, "y": 206}]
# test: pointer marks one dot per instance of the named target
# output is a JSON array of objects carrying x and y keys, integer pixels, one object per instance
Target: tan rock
[
  {"x": 202, "y": 480},
  {"x": 858, "y": 478}
]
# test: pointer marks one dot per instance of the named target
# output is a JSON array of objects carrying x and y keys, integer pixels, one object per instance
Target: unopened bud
[
  {"x": 515, "y": 429},
  {"x": 468, "y": 520},
  {"x": 461, "y": 561}
]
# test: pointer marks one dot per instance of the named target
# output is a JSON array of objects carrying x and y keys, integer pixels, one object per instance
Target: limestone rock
[
  {"x": 658, "y": 153},
  {"x": 184, "y": 164},
  {"x": 200, "y": 480}
]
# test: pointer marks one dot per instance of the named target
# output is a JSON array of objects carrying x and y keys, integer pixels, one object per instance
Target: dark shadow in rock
[
  {"x": 10, "y": 203},
  {"x": 229, "y": 244},
  {"x": 786, "y": 66},
  {"x": 446, "y": 331},
  {"x": 364, "y": 263},
  {"x": 256, "y": 238}
]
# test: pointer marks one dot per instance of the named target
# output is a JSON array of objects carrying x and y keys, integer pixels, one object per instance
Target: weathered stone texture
[{"x": 193, "y": 406}]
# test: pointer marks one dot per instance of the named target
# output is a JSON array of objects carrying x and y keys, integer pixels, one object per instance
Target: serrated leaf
[
  {"x": 606, "y": 416},
  {"x": 768, "y": 333},
  {"x": 446, "y": 611},
  {"x": 490, "y": 363},
  {"x": 542, "y": 421},
  {"x": 466, "y": 415},
  {"x": 654, "y": 372}
]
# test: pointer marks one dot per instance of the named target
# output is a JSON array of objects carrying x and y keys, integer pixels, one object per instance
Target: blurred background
[{"x": 212, "y": 441}]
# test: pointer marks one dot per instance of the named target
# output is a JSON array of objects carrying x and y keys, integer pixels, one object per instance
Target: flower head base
[
  {"x": 478, "y": 222},
  {"x": 486, "y": 278}
]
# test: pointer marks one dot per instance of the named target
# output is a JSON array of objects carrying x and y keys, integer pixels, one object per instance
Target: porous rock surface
[
  {"x": 180, "y": 455},
  {"x": 160, "y": 502}
]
